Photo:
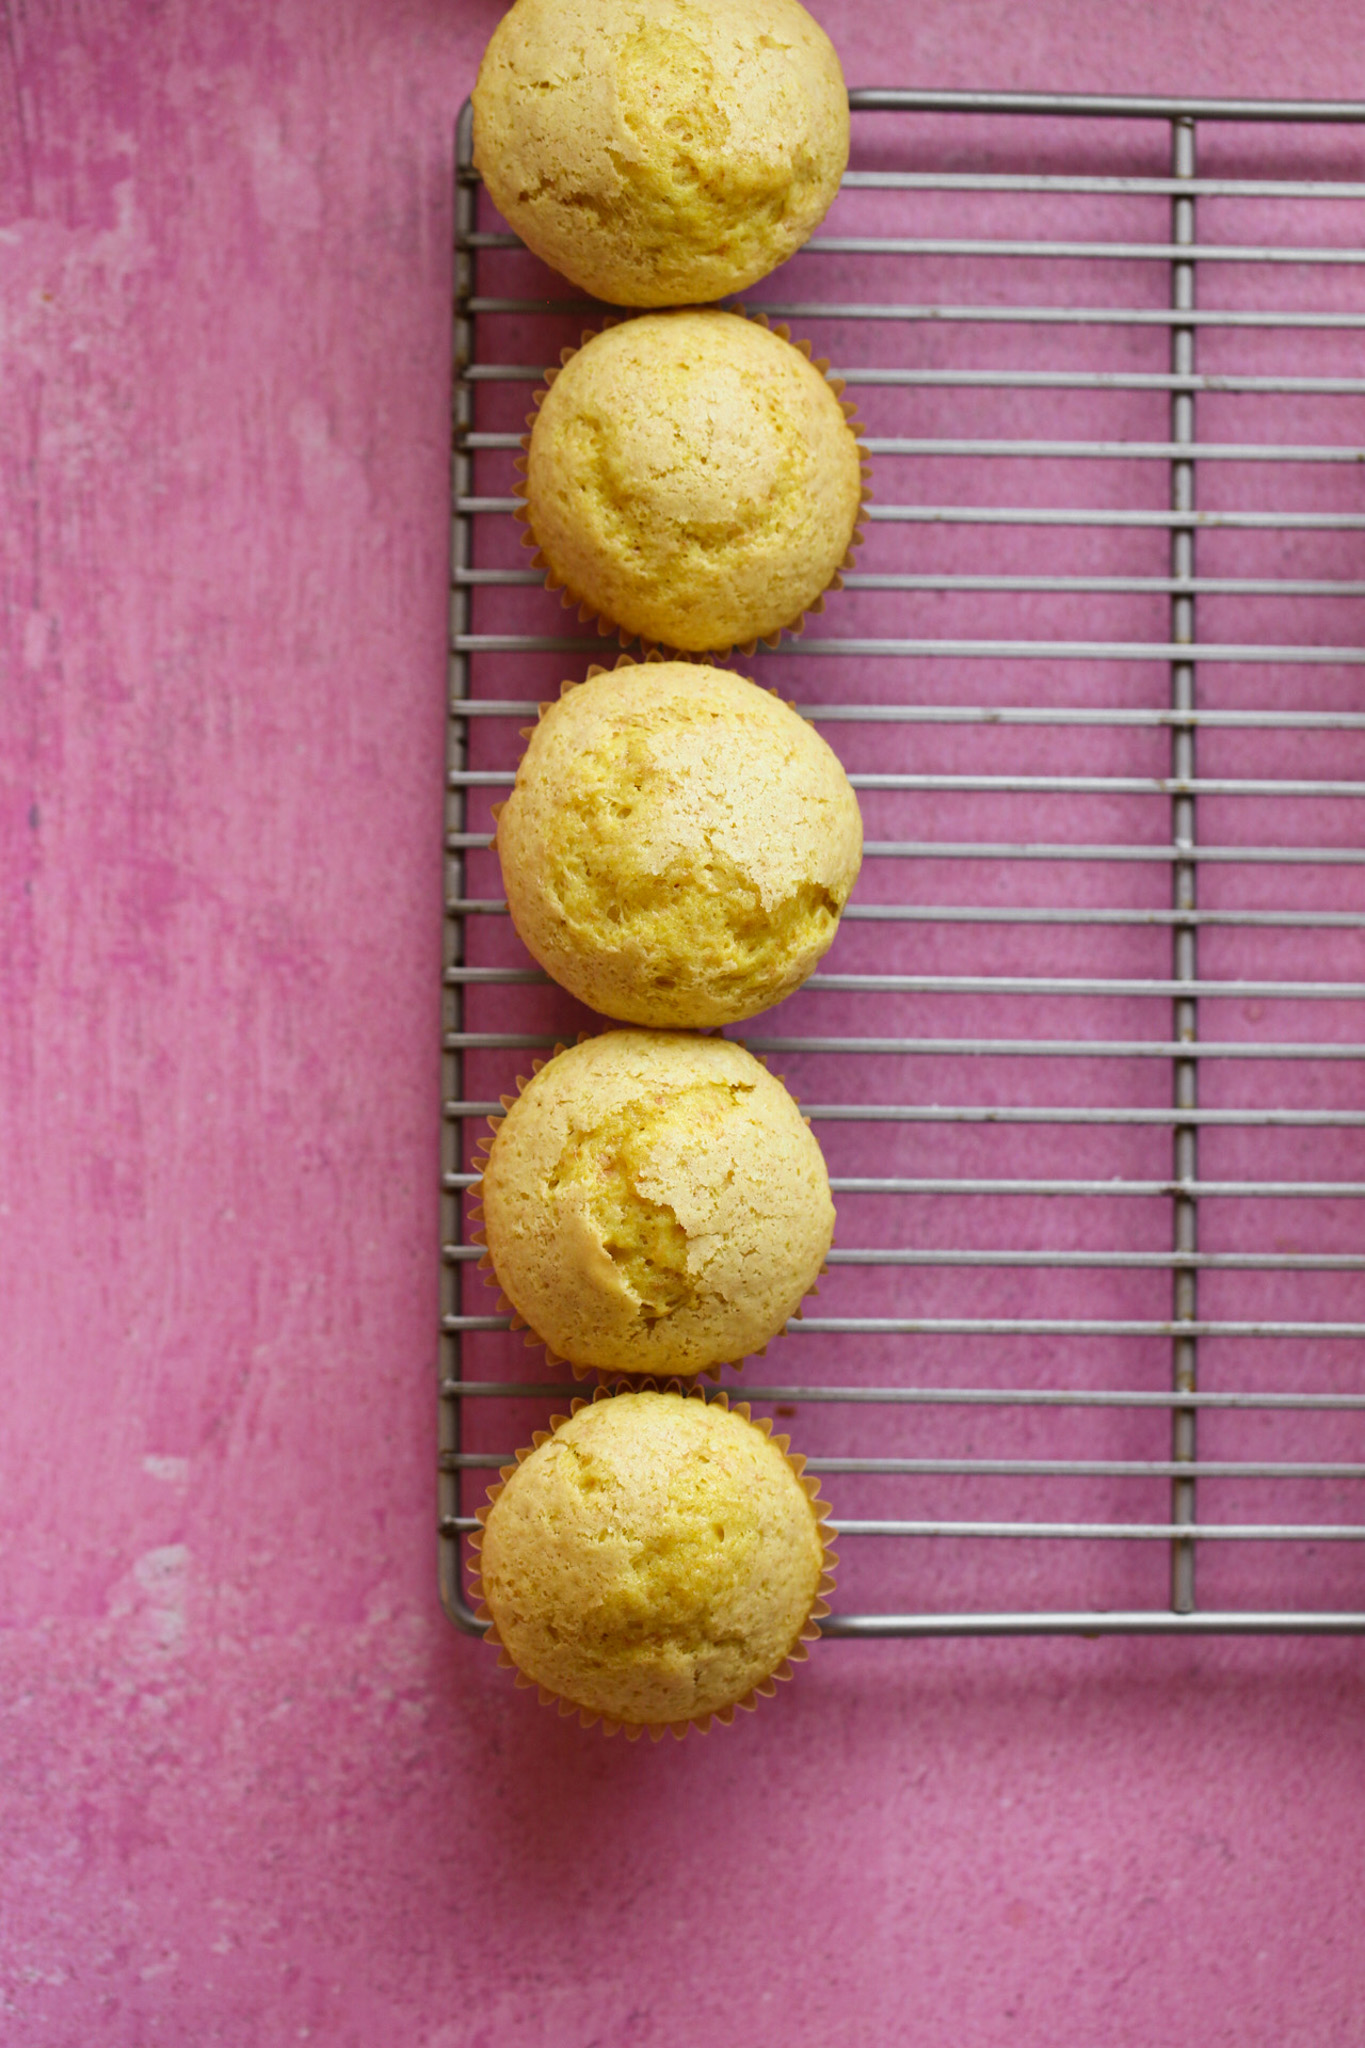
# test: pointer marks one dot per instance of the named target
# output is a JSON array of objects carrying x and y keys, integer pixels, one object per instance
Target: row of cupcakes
[{"x": 676, "y": 851}]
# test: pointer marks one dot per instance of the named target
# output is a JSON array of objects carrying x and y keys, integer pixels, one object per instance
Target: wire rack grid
[{"x": 1086, "y": 1060}]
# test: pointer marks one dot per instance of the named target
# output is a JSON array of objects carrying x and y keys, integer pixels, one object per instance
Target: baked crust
[
  {"x": 656, "y": 153},
  {"x": 691, "y": 478},
  {"x": 655, "y": 1203},
  {"x": 678, "y": 846}
]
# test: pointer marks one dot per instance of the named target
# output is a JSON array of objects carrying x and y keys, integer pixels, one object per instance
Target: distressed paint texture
[{"x": 253, "y": 1789}]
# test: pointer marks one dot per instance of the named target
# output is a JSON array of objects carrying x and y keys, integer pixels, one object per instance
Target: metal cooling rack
[{"x": 1170, "y": 1373}]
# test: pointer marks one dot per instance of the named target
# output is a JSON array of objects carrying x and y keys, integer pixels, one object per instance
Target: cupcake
[
  {"x": 679, "y": 845},
  {"x": 655, "y": 1203},
  {"x": 654, "y": 1561},
  {"x": 691, "y": 477},
  {"x": 661, "y": 152}
]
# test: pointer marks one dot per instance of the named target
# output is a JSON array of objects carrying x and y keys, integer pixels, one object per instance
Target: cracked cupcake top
[
  {"x": 653, "y": 1560},
  {"x": 679, "y": 845},
  {"x": 655, "y": 1203},
  {"x": 692, "y": 478},
  {"x": 661, "y": 152}
]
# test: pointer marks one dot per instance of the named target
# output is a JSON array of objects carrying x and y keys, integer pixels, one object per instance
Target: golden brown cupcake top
[
  {"x": 661, "y": 152},
  {"x": 692, "y": 478},
  {"x": 655, "y": 1203},
  {"x": 679, "y": 845},
  {"x": 653, "y": 1560}
]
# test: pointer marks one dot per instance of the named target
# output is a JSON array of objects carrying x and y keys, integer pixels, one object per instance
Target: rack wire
[{"x": 1086, "y": 1062}]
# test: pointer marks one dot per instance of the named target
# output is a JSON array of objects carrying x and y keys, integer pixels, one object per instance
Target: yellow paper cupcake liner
[
  {"x": 766, "y": 1688},
  {"x": 606, "y": 1375},
  {"x": 587, "y": 611}
]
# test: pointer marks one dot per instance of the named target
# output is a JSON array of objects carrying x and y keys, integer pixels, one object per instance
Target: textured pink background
[{"x": 253, "y": 1789}]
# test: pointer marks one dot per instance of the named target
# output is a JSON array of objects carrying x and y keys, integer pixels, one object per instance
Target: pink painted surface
[{"x": 253, "y": 1789}]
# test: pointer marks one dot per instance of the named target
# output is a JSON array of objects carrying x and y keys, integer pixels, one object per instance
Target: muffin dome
[
  {"x": 679, "y": 845},
  {"x": 653, "y": 1560},
  {"x": 692, "y": 478},
  {"x": 654, "y": 1203},
  {"x": 661, "y": 152}
]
